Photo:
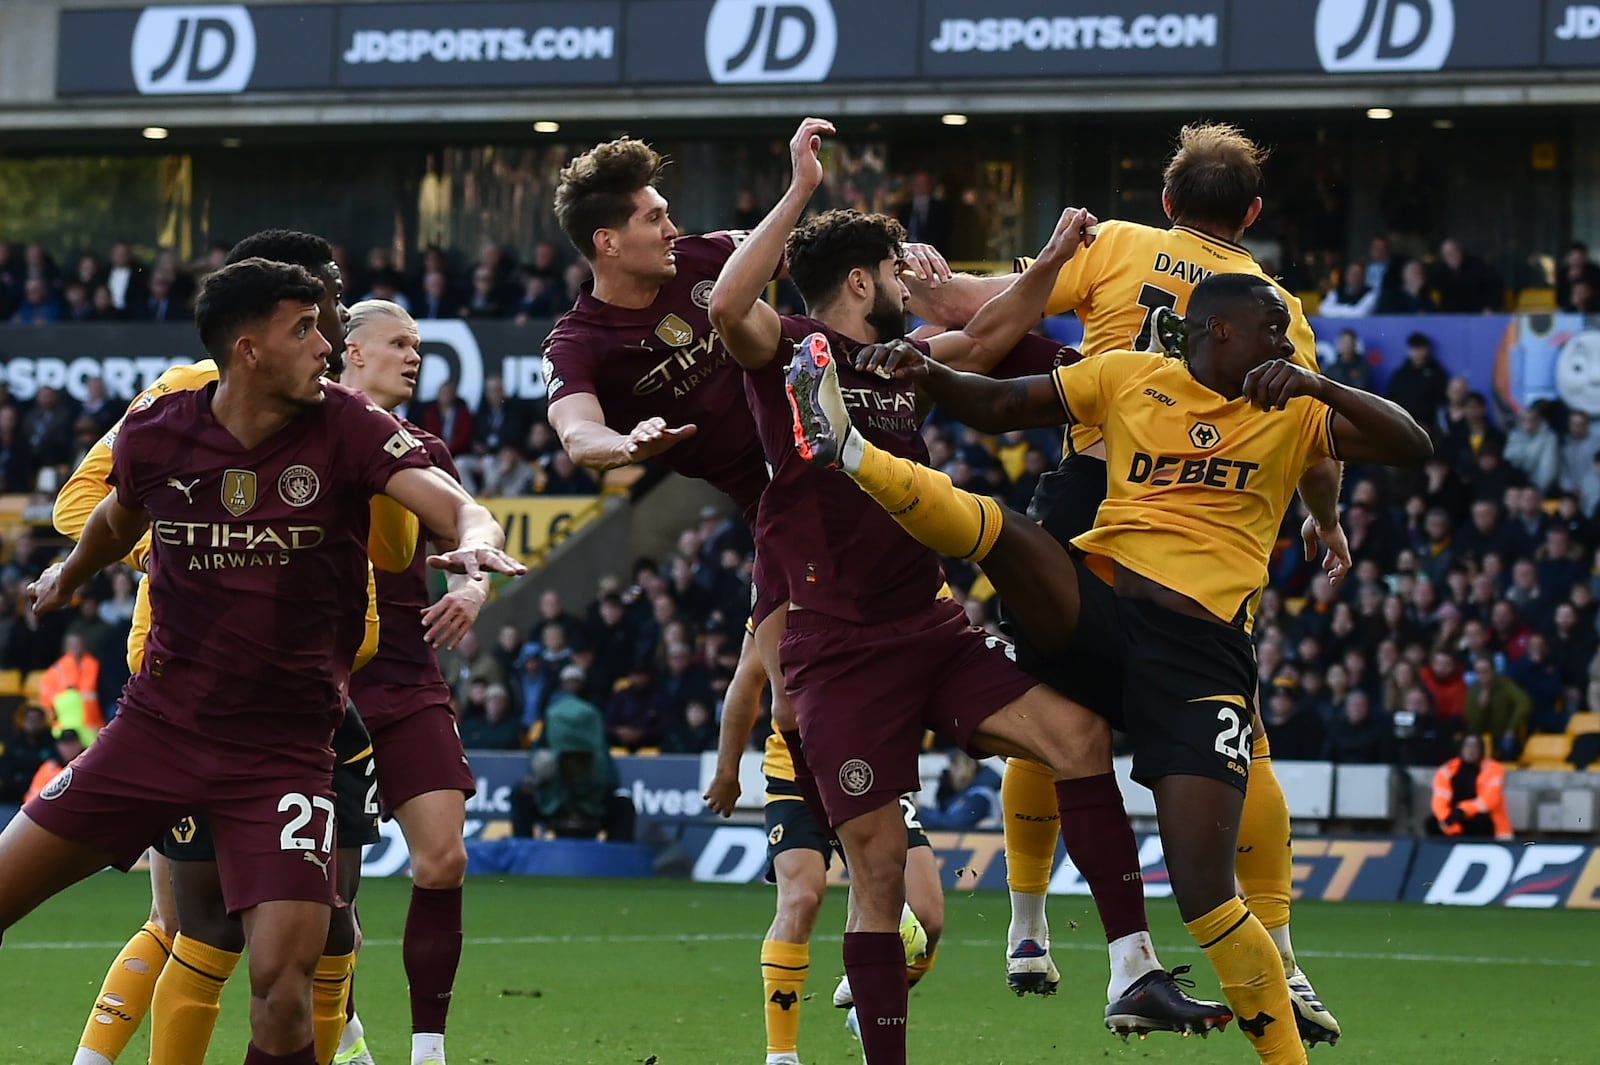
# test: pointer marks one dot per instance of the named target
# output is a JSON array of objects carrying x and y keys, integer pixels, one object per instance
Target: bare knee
[{"x": 440, "y": 867}]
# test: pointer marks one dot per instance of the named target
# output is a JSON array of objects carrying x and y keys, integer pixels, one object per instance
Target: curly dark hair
[
  {"x": 284, "y": 246},
  {"x": 597, "y": 188},
  {"x": 244, "y": 294},
  {"x": 823, "y": 250}
]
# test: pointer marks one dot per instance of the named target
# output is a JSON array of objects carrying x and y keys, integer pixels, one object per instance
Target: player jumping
[{"x": 1199, "y": 481}]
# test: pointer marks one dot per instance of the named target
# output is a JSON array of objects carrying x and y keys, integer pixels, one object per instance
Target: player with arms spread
[
  {"x": 258, "y": 578},
  {"x": 635, "y": 371},
  {"x": 423, "y": 776},
  {"x": 1197, "y": 490},
  {"x": 1212, "y": 194},
  {"x": 185, "y": 999},
  {"x": 871, "y": 655}
]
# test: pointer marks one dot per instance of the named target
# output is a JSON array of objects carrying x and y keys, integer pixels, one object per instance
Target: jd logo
[
  {"x": 203, "y": 49},
  {"x": 450, "y": 352},
  {"x": 770, "y": 40},
  {"x": 1359, "y": 35}
]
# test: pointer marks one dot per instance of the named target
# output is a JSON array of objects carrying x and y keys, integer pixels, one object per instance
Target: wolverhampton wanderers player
[
  {"x": 1116, "y": 286},
  {"x": 1199, "y": 480},
  {"x": 186, "y": 997},
  {"x": 798, "y": 855}
]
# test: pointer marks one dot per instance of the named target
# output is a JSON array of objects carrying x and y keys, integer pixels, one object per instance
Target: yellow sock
[
  {"x": 1251, "y": 974},
  {"x": 783, "y": 977},
  {"x": 1264, "y": 864},
  {"x": 921, "y": 967},
  {"x": 125, "y": 995},
  {"x": 187, "y": 1000},
  {"x": 927, "y": 505},
  {"x": 1028, "y": 796},
  {"x": 329, "y": 989}
]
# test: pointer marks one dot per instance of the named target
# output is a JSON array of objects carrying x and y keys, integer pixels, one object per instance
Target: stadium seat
[
  {"x": 1310, "y": 301},
  {"x": 30, "y": 685},
  {"x": 1546, "y": 751},
  {"x": 1536, "y": 299},
  {"x": 10, "y": 682},
  {"x": 1581, "y": 724}
]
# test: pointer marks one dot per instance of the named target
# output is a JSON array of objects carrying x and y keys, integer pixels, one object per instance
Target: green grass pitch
[{"x": 561, "y": 972}]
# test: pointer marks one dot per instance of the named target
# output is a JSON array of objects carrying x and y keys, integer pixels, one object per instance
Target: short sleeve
[
  {"x": 1316, "y": 433},
  {"x": 569, "y": 364},
  {"x": 126, "y": 476},
  {"x": 1082, "y": 389},
  {"x": 377, "y": 445},
  {"x": 1305, "y": 341}
]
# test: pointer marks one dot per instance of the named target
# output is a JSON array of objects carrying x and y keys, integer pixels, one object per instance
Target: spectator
[
  {"x": 1537, "y": 674},
  {"x": 1572, "y": 645},
  {"x": 542, "y": 298},
  {"x": 1419, "y": 383},
  {"x": 1411, "y": 296},
  {"x": 927, "y": 217},
  {"x": 968, "y": 795},
  {"x": 1576, "y": 268},
  {"x": 497, "y": 729},
  {"x": 552, "y": 612},
  {"x": 48, "y": 428},
  {"x": 69, "y": 744},
  {"x": 1472, "y": 435},
  {"x": 1466, "y": 284},
  {"x": 574, "y": 780},
  {"x": 1533, "y": 448},
  {"x": 484, "y": 300},
  {"x": 535, "y": 685},
  {"x": 637, "y": 713},
  {"x": 75, "y": 671},
  {"x": 1447, "y": 688},
  {"x": 125, "y": 280},
  {"x": 76, "y": 303},
  {"x": 18, "y": 468},
  {"x": 450, "y": 419},
  {"x": 1296, "y": 730},
  {"x": 39, "y": 304},
  {"x": 1383, "y": 269},
  {"x": 1486, "y": 534},
  {"x": 98, "y": 405},
  {"x": 469, "y": 663},
  {"x": 1349, "y": 367},
  {"x": 696, "y": 731},
  {"x": 498, "y": 422},
  {"x": 1358, "y": 735},
  {"x": 567, "y": 479},
  {"x": 683, "y": 681},
  {"x": 22, "y": 755},
  {"x": 505, "y": 474},
  {"x": 161, "y": 304},
  {"x": 1577, "y": 456},
  {"x": 1354, "y": 298},
  {"x": 436, "y": 302},
  {"x": 1469, "y": 795},
  {"x": 1496, "y": 707}
]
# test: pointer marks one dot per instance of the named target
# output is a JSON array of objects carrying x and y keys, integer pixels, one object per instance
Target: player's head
[
  {"x": 608, "y": 206},
  {"x": 844, "y": 261},
  {"x": 1235, "y": 323},
  {"x": 1213, "y": 180},
  {"x": 259, "y": 317},
  {"x": 315, "y": 255},
  {"x": 382, "y": 352}
]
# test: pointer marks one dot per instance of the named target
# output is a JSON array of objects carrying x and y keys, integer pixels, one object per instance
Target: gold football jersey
[
  {"x": 1117, "y": 284},
  {"x": 1196, "y": 485}
]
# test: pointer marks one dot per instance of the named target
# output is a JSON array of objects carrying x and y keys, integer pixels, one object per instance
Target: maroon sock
[
  {"x": 876, "y": 965},
  {"x": 350, "y": 997},
  {"x": 432, "y": 952},
  {"x": 806, "y": 782},
  {"x": 1094, "y": 826},
  {"x": 255, "y": 1056}
]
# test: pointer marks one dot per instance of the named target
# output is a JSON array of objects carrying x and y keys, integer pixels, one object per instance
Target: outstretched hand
[
  {"x": 805, "y": 151},
  {"x": 477, "y": 559},
  {"x": 1337, "y": 562},
  {"x": 653, "y": 436}
]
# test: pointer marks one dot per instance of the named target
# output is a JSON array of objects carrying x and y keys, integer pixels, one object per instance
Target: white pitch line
[{"x": 746, "y": 937}]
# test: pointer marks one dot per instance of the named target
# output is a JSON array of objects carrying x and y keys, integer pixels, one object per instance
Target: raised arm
[
  {"x": 955, "y": 302},
  {"x": 750, "y": 329},
  {"x": 1365, "y": 428},
  {"x": 981, "y": 344}
]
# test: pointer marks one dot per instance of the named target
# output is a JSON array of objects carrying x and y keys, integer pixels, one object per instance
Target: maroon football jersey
[
  {"x": 404, "y": 654},
  {"x": 258, "y": 563},
  {"x": 1034, "y": 355},
  {"x": 664, "y": 361},
  {"x": 840, "y": 553}
]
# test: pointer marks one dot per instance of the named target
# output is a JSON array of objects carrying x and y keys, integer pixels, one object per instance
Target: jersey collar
[{"x": 1238, "y": 249}]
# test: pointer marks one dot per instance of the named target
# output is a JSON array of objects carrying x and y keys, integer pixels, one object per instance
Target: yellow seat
[
  {"x": 1310, "y": 301},
  {"x": 1581, "y": 724},
  {"x": 1546, "y": 751},
  {"x": 1536, "y": 299},
  {"x": 10, "y": 682},
  {"x": 30, "y": 685}
]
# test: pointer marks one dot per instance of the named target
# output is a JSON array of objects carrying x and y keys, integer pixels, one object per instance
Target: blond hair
[
  {"x": 367, "y": 311},
  {"x": 1214, "y": 176}
]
